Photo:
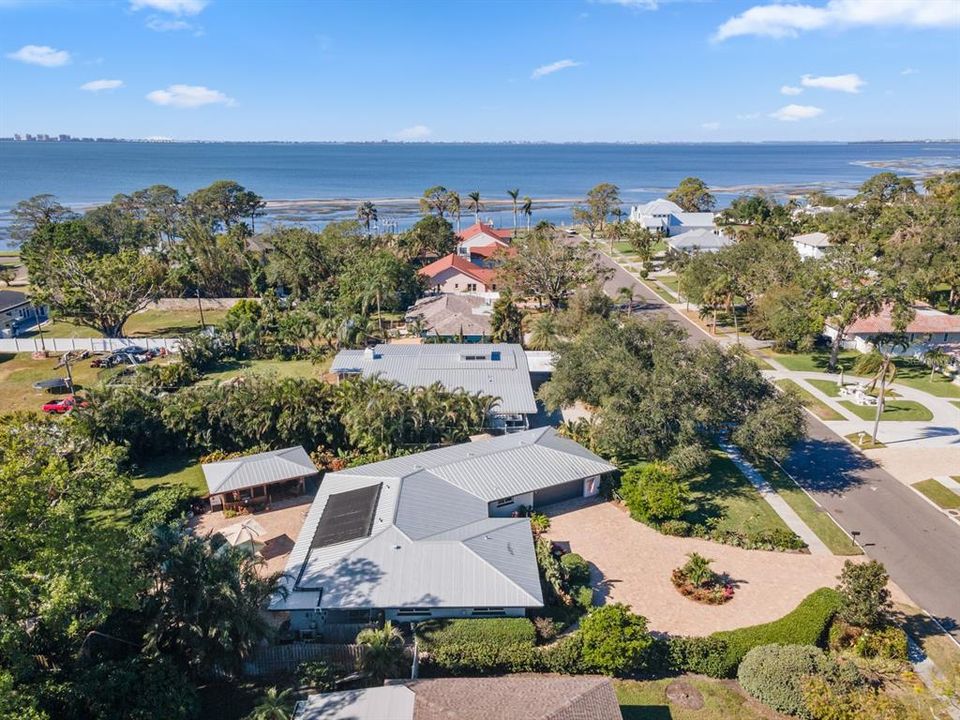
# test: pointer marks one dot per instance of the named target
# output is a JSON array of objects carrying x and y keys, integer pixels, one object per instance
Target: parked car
[{"x": 64, "y": 404}]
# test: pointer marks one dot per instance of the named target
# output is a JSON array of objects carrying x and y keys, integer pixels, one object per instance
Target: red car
[{"x": 63, "y": 405}]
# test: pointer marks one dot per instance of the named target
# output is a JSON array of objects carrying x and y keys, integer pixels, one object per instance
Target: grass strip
[
  {"x": 939, "y": 493},
  {"x": 810, "y": 401},
  {"x": 895, "y": 411}
]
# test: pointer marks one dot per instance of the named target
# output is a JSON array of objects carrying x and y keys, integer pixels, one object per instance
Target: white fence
[{"x": 97, "y": 345}]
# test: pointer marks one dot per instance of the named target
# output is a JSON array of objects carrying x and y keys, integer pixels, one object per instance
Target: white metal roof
[
  {"x": 700, "y": 239},
  {"x": 432, "y": 542},
  {"x": 258, "y": 469},
  {"x": 658, "y": 207},
  {"x": 502, "y": 373},
  {"x": 813, "y": 239},
  {"x": 389, "y": 702}
]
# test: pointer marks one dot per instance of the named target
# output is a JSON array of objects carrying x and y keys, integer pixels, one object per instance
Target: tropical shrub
[
  {"x": 316, "y": 674},
  {"x": 162, "y": 506},
  {"x": 539, "y": 523},
  {"x": 383, "y": 653},
  {"x": 865, "y": 600},
  {"x": 564, "y": 656},
  {"x": 775, "y": 675},
  {"x": 697, "y": 581},
  {"x": 615, "y": 640},
  {"x": 703, "y": 655},
  {"x": 481, "y": 646},
  {"x": 575, "y": 569},
  {"x": 583, "y": 597},
  {"x": 654, "y": 493},
  {"x": 826, "y": 702},
  {"x": 677, "y": 528},
  {"x": 434, "y": 633}
]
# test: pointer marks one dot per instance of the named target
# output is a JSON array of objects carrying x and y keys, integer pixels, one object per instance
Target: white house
[
  {"x": 699, "y": 240},
  {"x": 811, "y": 245},
  {"x": 18, "y": 313},
  {"x": 929, "y": 328},
  {"x": 668, "y": 219},
  {"x": 432, "y": 535}
]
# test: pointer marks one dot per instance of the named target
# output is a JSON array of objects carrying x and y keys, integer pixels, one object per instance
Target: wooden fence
[{"x": 279, "y": 659}]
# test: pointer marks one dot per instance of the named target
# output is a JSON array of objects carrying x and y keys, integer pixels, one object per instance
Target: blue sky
[{"x": 574, "y": 70}]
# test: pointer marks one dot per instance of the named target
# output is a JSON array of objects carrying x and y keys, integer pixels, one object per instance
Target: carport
[{"x": 558, "y": 493}]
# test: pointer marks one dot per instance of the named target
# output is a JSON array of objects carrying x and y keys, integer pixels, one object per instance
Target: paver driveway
[{"x": 631, "y": 563}]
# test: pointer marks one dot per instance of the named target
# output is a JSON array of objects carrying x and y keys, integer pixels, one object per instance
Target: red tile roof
[
  {"x": 480, "y": 274},
  {"x": 927, "y": 320},
  {"x": 486, "y": 230},
  {"x": 488, "y": 251}
]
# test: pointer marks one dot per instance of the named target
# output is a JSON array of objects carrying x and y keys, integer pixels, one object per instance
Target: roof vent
[
  {"x": 487, "y": 537},
  {"x": 371, "y": 354},
  {"x": 396, "y": 547}
]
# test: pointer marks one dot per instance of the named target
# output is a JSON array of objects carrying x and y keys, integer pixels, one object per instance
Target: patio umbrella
[{"x": 244, "y": 535}]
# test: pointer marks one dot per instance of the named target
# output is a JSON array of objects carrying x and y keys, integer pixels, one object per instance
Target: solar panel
[{"x": 347, "y": 516}]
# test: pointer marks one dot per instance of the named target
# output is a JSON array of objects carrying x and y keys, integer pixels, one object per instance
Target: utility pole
[
  {"x": 66, "y": 364},
  {"x": 36, "y": 315}
]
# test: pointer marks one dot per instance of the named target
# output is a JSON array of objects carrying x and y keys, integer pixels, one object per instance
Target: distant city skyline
[{"x": 569, "y": 71}]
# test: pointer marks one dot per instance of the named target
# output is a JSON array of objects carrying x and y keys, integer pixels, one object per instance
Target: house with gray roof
[
  {"x": 18, "y": 313},
  {"x": 431, "y": 535},
  {"x": 251, "y": 480},
  {"x": 527, "y": 696},
  {"x": 699, "y": 240},
  {"x": 667, "y": 219},
  {"x": 496, "y": 369},
  {"x": 811, "y": 245}
]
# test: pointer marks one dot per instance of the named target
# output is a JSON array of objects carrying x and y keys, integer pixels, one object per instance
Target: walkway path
[{"x": 948, "y": 481}]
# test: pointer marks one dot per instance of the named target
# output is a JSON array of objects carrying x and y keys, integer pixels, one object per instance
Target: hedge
[
  {"x": 720, "y": 654},
  {"x": 480, "y": 646},
  {"x": 434, "y": 633}
]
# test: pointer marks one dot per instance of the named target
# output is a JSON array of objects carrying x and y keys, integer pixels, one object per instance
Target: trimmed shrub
[
  {"x": 434, "y": 633},
  {"x": 583, "y": 596},
  {"x": 702, "y": 655},
  {"x": 564, "y": 656},
  {"x": 805, "y": 625},
  {"x": 776, "y": 675},
  {"x": 654, "y": 493},
  {"x": 480, "y": 646},
  {"x": 677, "y": 528},
  {"x": 615, "y": 641},
  {"x": 164, "y": 505},
  {"x": 575, "y": 569}
]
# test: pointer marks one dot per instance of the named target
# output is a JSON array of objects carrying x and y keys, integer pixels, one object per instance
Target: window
[
  {"x": 488, "y": 611},
  {"x": 504, "y": 501},
  {"x": 413, "y": 611},
  {"x": 471, "y": 287}
]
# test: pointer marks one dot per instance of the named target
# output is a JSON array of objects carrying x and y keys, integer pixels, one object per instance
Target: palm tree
[
  {"x": 513, "y": 196},
  {"x": 383, "y": 650},
  {"x": 475, "y": 204},
  {"x": 886, "y": 344},
  {"x": 453, "y": 203},
  {"x": 625, "y": 297},
  {"x": 274, "y": 705},
  {"x": 935, "y": 358},
  {"x": 544, "y": 332},
  {"x": 526, "y": 210},
  {"x": 367, "y": 213}
]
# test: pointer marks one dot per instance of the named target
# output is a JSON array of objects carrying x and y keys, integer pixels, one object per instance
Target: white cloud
[
  {"x": 553, "y": 67},
  {"x": 98, "y": 85},
  {"x": 909, "y": 71},
  {"x": 414, "y": 132},
  {"x": 189, "y": 96},
  {"x": 790, "y": 20},
  {"x": 158, "y": 24},
  {"x": 849, "y": 83},
  {"x": 40, "y": 55},
  {"x": 790, "y": 90},
  {"x": 174, "y": 7},
  {"x": 792, "y": 113},
  {"x": 710, "y": 125},
  {"x": 633, "y": 4}
]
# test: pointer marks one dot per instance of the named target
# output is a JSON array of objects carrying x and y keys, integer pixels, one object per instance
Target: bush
[
  {"x": 539, "y": 523},
  {"x": 889, "y": 643},
  {"x": 316, "y": 674},
  {"x": 583, "y": 597},
  {"x": 434, "y": 633},
  {"x": 564, "y": 656},
  {"x": 480, "y": 646},
  {"x": 654, "y": 493},
  {"x": 865, "y": 600},
  {"x": 615, "y": 641},
  {"x": 702, "y": 655},
  {"x": 776, "y": 675},
  {"x": 575, "y": 569},
  {"x": 162, "y": 506},
  {"x": 677, "y": 528},
  {"x": 545, "y": 627},
  {"x": 805, "y": 625}
]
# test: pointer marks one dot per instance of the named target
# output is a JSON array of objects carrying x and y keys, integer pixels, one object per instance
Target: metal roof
[
  {"x": 503, "y": 373},
  {"x": 813, "y": 239},
  {"x": 389, "y": 702},
  {"x": 258, "y": 469},
  {"x": 698, "y": 239},
  {"x": 432, "y": 543}
]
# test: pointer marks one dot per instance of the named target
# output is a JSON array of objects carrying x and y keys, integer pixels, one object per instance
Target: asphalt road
[{"x": 918, "y": 544}]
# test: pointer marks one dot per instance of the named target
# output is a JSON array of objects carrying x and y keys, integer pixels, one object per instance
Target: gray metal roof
[
  {"x": 258, "y": 469},
  {"x": 503, "y": 373},
  {"x": 699, "y": 239},
  {"x": 390, "y": 702},
  {"x": 813, "y": 239},
  {"x": 432, "y": 543}
]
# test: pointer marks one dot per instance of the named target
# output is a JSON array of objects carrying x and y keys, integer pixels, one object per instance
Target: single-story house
[
  {"x": 455, "y": 274},
  {"x": 432, "y": 535},
  {"x": 253, "y": 480},
  {"x": 522, "y": 696},
  {"x": 18, "y": 313},
  {"x": 451, "y": 316},
  {"x": 496, "y": 369},
  {"x": 667, "y": 218},
  {"x": 811, "y": 245},
  {"x": 929, "y": 328},
  {"x": 480, "y": 234},
  {"x": 699, "y": 240}
]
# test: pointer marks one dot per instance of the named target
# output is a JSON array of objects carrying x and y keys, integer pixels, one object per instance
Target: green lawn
[
  {"x": 815, "y": 517},
  {"x": 149, "y": 323},
  {"x": 278, "y": 368},
  {"x": 761, "y": 363},
  {"x": 827, "y": 387},
  {"x": 725, "y": 493},
  {"x": 19, "y": 371},
  {"x": 722, "y": 700},
  {"x": 867, "y": 443},
  {"x": 171, "y": 470},
  {"x": 940, "y": 494},
  {"x": 895, "y": 410},
  {"x": 663, "y": 294},
  {"x": 671, "y": 281},
  {"x": 810, "y": 402},
  {"x": 815, "y": 361}
]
